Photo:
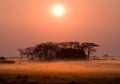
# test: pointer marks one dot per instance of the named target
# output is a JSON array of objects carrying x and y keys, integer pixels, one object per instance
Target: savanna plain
[{"x": 61, "y": 72}]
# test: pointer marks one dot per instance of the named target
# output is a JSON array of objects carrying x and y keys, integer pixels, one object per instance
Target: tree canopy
[{"x": 50, "y": 50}]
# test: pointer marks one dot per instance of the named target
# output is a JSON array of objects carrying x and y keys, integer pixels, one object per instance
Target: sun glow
[{"x": 58, "y": 10}]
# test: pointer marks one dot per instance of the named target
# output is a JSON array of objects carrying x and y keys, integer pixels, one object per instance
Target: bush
[
  {"x": 7, "y": 61},
  {"x": 2, "y": 58}
]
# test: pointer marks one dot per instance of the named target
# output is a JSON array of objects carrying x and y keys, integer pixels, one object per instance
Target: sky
[{"x": 25, "y": 23}]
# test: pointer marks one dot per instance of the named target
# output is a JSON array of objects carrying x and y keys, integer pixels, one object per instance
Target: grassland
[{"x": 72, "y": 72}]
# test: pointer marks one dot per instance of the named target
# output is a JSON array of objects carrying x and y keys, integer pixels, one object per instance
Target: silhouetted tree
[
  {"x": 38, "y": 51},
  {"x": 106, "y": 56},
  {"x": 29, "y": 52},
  {"x": 21, "y": 53},
  {"x": 50, "y": 50},
  {"x": 89, "y": 48},
  {"x": 3, "y": 58},
  {"x": 95, "y": 57}
]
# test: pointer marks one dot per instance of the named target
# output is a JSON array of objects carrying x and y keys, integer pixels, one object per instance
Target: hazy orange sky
[{"x": 25, "y": 23}]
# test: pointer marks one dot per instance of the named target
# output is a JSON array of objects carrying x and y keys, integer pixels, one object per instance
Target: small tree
[
  {"x": 29, "y": 53},
  {"x": 89, "y": 48},
  {"x": 106, "y": 56},
  {"x": 2, "y": 58},
  {"x": 21, "y": 53}
]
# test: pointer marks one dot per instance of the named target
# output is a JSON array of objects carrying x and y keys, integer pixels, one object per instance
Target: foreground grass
[
  {"x": 59, "y": 78},
  {"x": 60, "y": 73}
]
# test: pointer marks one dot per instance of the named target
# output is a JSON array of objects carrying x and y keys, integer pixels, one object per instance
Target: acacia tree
[
  {"x": 46, "y": 50},
  {"x": 21, "y": 53},
  {"x": 89, "y": 48},
  {"x": 38, "y": 51},
  {"x": 29, "y": 52},
  {"x": 49, "y": 50}
]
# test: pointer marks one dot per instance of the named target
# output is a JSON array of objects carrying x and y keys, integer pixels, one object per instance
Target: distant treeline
[{"x": 63, "y": 50}]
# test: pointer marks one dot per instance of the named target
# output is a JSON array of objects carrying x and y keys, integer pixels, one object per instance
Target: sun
[{"x": 59, "y": 10}]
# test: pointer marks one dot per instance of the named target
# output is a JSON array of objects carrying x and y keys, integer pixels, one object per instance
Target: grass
[
  {"x": 61, "y": 73},
  {"x": 58, "y": 79},
  {"x": 7, "y": 61}
]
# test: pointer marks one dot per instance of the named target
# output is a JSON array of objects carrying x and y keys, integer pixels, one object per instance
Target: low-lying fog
[{"x": 96, "y": 66}]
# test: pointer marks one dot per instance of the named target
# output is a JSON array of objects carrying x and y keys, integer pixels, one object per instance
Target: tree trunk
[
  {"x": 21, "y": 57},
  {"x": 88, "y": 53}
]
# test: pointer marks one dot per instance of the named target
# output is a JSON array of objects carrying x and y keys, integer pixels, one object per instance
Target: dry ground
[{"x": 79, "y": 72}]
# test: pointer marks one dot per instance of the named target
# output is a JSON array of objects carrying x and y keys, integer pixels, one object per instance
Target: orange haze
[{"x": 27, "y": 22}]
